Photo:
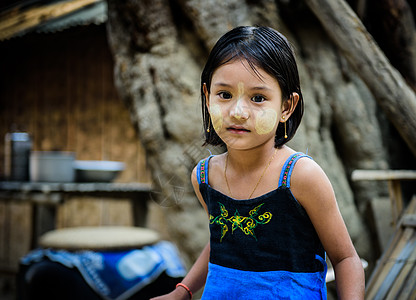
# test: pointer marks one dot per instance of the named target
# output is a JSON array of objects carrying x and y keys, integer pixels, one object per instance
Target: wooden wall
[{"x": 59, "y": 88}]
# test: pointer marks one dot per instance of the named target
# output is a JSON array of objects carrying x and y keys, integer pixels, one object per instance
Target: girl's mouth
[{"x": 237, "y": 129}]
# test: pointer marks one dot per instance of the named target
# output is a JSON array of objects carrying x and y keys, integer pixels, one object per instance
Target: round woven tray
[{"x": 99, "y": 238}]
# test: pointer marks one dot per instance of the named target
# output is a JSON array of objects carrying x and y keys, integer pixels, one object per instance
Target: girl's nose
[{"x": 240, "y": 111}]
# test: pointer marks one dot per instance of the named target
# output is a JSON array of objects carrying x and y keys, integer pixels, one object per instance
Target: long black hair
[{"x": 265, "y": 48}]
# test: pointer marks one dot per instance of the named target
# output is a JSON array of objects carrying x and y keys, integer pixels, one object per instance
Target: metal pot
[{"x": 52, "y": 166}]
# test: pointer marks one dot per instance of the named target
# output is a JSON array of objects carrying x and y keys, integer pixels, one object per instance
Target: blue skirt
[{"x": 226, "y": 283}]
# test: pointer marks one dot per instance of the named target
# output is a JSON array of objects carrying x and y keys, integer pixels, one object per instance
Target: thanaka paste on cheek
[
  {"x": 266, "y": 121},
  {"x": 216, "y": 116}
]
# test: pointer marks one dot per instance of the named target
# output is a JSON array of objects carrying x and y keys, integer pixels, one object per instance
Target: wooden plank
[
  {"x": 411, "y": 208},
  {"x": 44, "y": 220},
  {"x": 11, "y": 24},
  {"x": 117, "y": 212},
  {"x": 111, "y": 104},
  {"x": 36, "y": 88},
  {"x": 42, "y": 135},
  {"x": 18, "y": 110},
  {"x": 358, "y": 175},
  {"x": 70, "y": 95},
  {"x": 20, "y": 233},
  {"x": 386, "y": 262},
  {"x": 4, "y": 233},
  {"x": 407, "y": 265},
  {"x": 94, "y": 96},
  {"x": 120, "y": 130},
  {"x": 80, "y": 211},
  {"x": 413, "y": 294},
  {"x": 56, "y": 105},
  {"x": 116, "y": 190},
  {"x": 134, "y": 155},
  {"x": 408, "y": 220},
  {"x": 31, "y": 97},
  {"x": 382, "y": 285},
  {"x": 373, "y": 283},
  {"x": 140, "y": 209},
  {"x": 97, "y": 95},
  {"x": 396, "y": 199},
  {"x": 409, "y": 286},
  {"x": 89, "y": 111},
  {"x": 381, "y": 219}
]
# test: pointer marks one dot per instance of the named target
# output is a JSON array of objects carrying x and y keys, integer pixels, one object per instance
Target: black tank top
[{"x": 267, "y": 233}]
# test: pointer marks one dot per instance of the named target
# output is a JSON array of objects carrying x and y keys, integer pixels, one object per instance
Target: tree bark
[
  {"x": 391, "y": 91},
  {"x": 392, "y": 25},
  {"x": 156, "y": 77},
  {"x": 159, "y": 48}
]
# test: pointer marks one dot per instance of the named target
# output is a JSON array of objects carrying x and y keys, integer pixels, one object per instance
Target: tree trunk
[
  {"x": 159, "y": 49},
  {"x": 391, "y": 91},
  {"x": 156, "y": 75},
  {"x": 392, "y": 24}
]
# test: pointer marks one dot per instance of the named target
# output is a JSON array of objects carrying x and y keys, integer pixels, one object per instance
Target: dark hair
[{"x": 265, "y": 48}]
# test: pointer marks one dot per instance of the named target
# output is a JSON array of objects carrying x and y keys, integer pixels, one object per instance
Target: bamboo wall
[{"x": 59, "y": 88}]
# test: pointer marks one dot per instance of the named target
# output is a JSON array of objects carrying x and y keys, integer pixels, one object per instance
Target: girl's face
[{"x": 245, "y": 107}]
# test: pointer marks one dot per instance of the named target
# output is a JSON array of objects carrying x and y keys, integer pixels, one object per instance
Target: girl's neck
[{"x": 249, "y": 160}]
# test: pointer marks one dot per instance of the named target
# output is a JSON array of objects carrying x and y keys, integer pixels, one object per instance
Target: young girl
[{"x": 272, "y": 211}]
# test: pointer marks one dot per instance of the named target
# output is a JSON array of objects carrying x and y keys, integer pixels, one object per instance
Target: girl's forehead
[{"x": 241, "y": 72}]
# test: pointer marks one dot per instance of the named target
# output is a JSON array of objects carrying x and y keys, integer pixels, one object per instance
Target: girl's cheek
[
  {"x": 216, "y": 117},
  {"x": 266, "y": 121}
]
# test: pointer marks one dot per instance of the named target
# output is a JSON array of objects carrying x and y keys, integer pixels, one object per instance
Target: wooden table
[{"x": 46, "y": 196}]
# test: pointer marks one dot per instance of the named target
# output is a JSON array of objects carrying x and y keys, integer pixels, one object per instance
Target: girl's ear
[
  {"x": 288, "y": 107},
  {"x": 205, "y": 90}
]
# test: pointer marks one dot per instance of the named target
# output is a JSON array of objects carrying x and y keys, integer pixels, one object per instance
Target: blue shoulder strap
[
  {"x": 202, "y": 170},
  {"x": 287, "y": 169}
]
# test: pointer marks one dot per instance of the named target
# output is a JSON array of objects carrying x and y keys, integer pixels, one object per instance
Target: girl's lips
[{"x": 237, "y": 129}]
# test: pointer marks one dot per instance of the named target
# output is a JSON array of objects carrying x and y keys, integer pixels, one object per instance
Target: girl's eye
[
  {"x": 224, "y": 95},
  {"x": 258, "y": 99}
]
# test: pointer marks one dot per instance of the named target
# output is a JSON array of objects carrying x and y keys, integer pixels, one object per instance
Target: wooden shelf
[
  {"x": 54, "y": 193},
  {"x": 45, "y": 197}
]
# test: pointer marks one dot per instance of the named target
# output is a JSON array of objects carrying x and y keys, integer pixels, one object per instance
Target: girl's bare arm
[{"x": 312, "y": 189}]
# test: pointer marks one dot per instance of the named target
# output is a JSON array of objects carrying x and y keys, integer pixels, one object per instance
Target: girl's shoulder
[
  {"x": 309, "y": 181},
  {"x": 213, "y": 163},
  {"x": 305, "y": 166},
  {"x": 308, "y": 172}
]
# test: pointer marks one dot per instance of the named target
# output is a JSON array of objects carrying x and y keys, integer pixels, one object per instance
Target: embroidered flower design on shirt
[
  {"x": 286, "y": 171},
  {"x": 246, "y": 224}
]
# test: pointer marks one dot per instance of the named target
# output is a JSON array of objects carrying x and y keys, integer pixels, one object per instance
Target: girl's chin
[{"x": 240, "y": 145}]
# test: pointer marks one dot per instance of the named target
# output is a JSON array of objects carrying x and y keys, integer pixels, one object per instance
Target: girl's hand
[{"x": 177, "y": 294}]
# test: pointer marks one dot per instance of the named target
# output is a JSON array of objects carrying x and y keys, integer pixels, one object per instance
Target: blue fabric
[
  {"x": 225, "y": 283},
  {"x": 203, "y": 163},
  {"x": 295, "y": 156},
  {"x": 117, "y": 275}
]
